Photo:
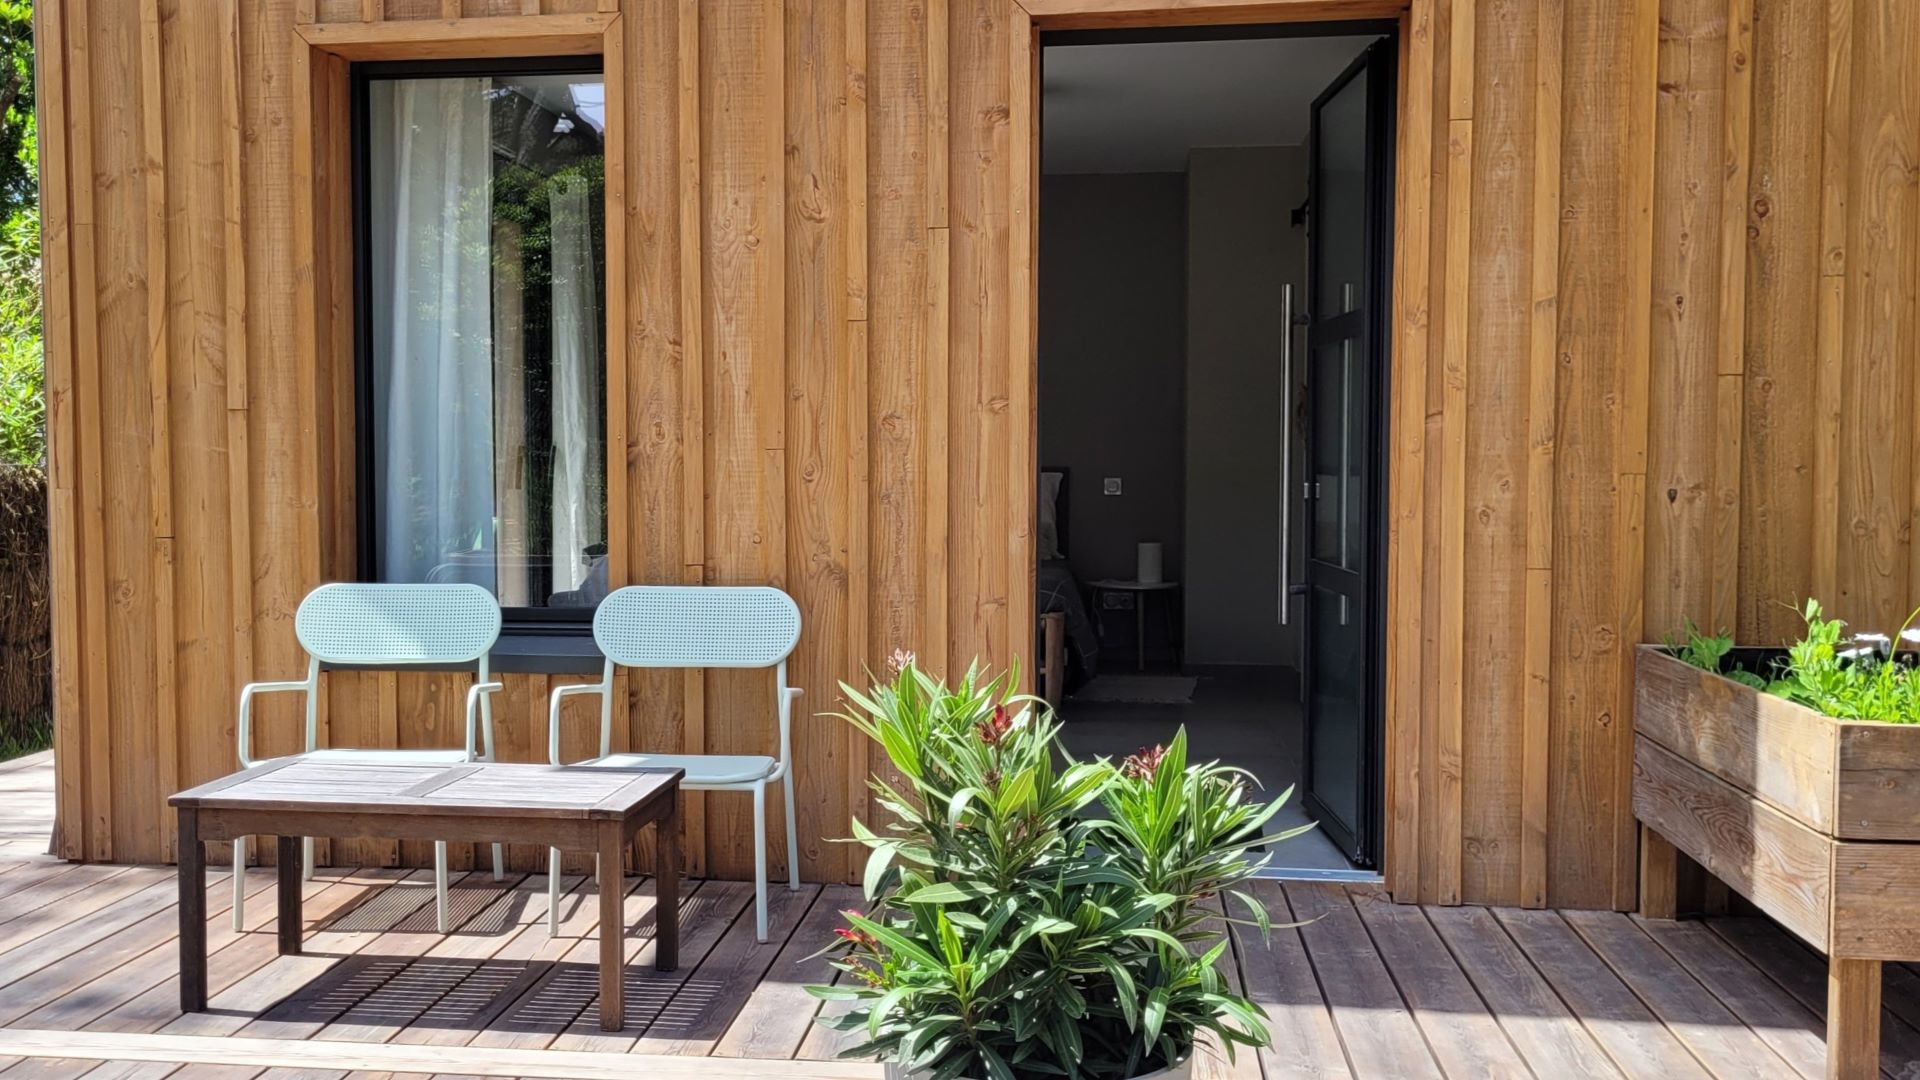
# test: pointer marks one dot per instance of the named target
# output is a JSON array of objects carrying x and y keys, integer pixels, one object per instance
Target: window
[{"x": 482, "y": 369}]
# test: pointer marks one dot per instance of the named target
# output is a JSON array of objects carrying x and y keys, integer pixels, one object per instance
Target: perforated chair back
[
  {"x": 697, "y": 626},
  {"x": 398, "y": 625}
]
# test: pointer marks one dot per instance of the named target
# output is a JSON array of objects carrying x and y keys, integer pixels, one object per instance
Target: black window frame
[{"x": 520, "y": 623}]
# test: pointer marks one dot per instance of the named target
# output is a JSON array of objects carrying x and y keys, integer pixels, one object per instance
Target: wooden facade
[{"x": 1657, "y": 305}]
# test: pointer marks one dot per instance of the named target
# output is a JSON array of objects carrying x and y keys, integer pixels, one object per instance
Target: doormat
[{"x": 1139, "y": 689}]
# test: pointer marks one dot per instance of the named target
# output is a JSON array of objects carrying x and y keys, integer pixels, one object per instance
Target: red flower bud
[{"x": 994, "y": 729}]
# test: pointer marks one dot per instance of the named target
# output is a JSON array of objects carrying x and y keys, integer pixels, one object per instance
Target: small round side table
[{"x": 1141, "y": 590}]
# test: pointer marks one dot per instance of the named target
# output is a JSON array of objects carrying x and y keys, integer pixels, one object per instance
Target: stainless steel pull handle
[{"x": 1286, "y": 447}]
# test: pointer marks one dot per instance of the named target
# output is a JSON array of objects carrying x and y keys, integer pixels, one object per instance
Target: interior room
[{"x": 1173, "y": 269}]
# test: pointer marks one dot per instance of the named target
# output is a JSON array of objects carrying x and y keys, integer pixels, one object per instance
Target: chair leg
[
  {"x": 760, "y": 859},
  {"x": 440, "y": 885},
  {"x": 239, "y": 884},
  {"x": 553, "y": 892},
  {"x": 793, "y": 843},
  {"x": 306, "y": 856},
  {"x": 499, "y": 862}
]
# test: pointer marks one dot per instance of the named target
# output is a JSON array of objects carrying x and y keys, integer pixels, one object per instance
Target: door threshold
[{"x": 1309, "y": 873}]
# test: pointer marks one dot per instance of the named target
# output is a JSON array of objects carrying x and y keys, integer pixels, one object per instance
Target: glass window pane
[
  {"x": 1337, "y": 702},
  {"x": 1342, "y": 193},
  {"x": 1334, "y": 459},
  {"x": 487, "y": 258}
]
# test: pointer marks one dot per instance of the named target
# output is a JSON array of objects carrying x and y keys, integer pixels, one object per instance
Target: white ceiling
[{"x": 1141, "y": 107}]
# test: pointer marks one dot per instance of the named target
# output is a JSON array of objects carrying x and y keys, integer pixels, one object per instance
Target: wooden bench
[{"x": 573, "y": 809}]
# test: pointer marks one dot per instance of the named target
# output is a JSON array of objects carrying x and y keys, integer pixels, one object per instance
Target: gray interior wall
[
  {"x": 1112, "y": 333},
  {"x": 1241, "y": 249}
]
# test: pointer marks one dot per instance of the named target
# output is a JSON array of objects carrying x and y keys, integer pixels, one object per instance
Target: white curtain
[
  {"x": 437, "y": 427},
  {"x": 579, "y": 463}
]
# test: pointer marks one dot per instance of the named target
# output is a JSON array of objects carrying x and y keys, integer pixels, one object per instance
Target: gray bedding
[{"x": 1060, "y": 592}]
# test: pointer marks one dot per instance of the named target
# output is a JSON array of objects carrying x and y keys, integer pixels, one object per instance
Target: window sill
[{"x": 523, "y": 651}]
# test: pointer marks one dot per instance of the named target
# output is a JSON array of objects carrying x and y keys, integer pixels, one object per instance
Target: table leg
[
  {"x": 1140, "y": 630},
  {"x": 193, "y": 914},
  {"x": 613, "y": 928},
  {"x": 666, "y": 887},
  {"x": 292, "y": 862},
  {"x": 1172, "y": 601},
  {"x": 1853, "y": 1019}
]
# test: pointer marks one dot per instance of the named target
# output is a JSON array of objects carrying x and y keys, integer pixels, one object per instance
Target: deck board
[
  {"x": 1460, "y": 1030},
  {"x": 1381, "y": 1036},
  {"x": 1638, "y": 1043},
  {"x": 1546, "y": 1033},
  {"x": 1364, "y": 988},
  {"x": 1711, "y": 1032}
]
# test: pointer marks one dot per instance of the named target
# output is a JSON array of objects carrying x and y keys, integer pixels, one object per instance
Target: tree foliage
[
  {"x": 19, "y": 162},
  {"x": 22, "y": 379}
]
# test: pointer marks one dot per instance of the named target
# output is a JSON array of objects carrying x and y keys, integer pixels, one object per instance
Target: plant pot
[
  {"x": 1816, "y": 820},
  {"x": 1181, "y": 1071}
]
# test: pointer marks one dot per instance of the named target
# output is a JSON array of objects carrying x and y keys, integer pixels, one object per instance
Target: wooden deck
[{"x": 1371, "y": 989}]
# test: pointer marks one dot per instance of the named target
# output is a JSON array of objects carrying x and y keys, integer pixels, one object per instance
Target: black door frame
[{"x": 1364, "y": 843}]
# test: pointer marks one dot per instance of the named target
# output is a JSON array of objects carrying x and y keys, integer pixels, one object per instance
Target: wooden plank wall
[
  {"x": 820, "y": 253},
  {"x": 1657, "y": 304},
  {"x": 1672, "y": 270},
  {"x": 1519, "y": 448}
]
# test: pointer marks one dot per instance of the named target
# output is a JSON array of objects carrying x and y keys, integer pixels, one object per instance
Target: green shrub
[
  {"x": 1865, "y": 677},
  {"x": 1017, "y": 936},
  {"x": 23, "y": 405}
]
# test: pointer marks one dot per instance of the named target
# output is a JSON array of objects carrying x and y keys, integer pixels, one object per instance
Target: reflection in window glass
[{"x": 487, "y": 306}]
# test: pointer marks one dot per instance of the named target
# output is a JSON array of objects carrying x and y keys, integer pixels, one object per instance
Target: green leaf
[
  {"x": 878, "y": 1013},
  {"x": 996, "y": 1065},
  {"x": 1155, "y": 1014},
  {"x": 834, "y": 993},
  {"x": 897, "y": 942},
  {"x": 878, "y": 862},
  {"x": 944, "y": 892},
  {"x": 1123, "y": 987},
  {"x": 1154, "y": 933}
]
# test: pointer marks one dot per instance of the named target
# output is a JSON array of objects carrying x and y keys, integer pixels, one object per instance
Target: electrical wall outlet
[
  {"x": 1110, "y": 486},
  {"x": 1115, "y": 600}
]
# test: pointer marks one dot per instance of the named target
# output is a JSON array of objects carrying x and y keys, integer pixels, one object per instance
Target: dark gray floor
[{"x": 1248, "y": 716}]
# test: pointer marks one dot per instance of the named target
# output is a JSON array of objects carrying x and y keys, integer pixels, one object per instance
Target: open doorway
[{"x": 1214, "y": 220}]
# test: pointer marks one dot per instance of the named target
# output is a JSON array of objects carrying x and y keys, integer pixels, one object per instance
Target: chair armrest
[
  {"x": 244, "y": 736},
  {"x": 474, "y": 694},
  {"x": 560, "y": 693}
]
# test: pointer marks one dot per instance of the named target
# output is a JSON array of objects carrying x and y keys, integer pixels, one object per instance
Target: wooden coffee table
[{"x": 580, "y": 809}]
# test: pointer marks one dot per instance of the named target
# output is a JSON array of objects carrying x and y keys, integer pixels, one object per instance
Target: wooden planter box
[{"x": 1815, "y": 820}]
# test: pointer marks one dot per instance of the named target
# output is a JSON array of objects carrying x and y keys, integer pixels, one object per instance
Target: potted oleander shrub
[
  {"x": 1792, "y": 775},
  {"x": 1030, "y": 915}
]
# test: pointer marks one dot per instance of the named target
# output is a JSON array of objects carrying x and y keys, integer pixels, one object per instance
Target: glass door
[{"x": 1348, "y": 204}]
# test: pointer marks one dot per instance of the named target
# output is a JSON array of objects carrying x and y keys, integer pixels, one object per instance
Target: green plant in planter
[
  {"x": 1862, "y": 678},
  {"x": 1709, "y": 652},
  {"x": 1015, "y": 934}
]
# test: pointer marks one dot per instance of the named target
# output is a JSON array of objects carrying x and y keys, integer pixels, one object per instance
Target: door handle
[{"x": 1286, "y": 446}]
